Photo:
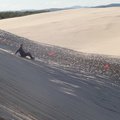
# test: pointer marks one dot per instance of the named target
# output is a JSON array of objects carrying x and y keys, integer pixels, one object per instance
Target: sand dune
[
  {"x": 33, "y": 90},
  {"x": 37, "y": 91},
  {"x": 90, "y": 30}
]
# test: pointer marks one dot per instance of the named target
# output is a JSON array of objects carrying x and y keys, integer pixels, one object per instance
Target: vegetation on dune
[{"x": 11, "y": 14}]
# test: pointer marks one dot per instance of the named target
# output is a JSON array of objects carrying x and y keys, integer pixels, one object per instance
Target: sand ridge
[{"x": 90, "y": 30}]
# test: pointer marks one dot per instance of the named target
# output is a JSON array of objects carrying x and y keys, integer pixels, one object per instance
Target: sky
[{"x": 43, "y": 4}]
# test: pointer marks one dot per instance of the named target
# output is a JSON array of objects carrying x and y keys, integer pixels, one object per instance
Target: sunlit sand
[{"x": 90, "y": 30}]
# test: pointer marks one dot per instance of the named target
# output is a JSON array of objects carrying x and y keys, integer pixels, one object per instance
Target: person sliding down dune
[{"x": 23, "y": 53}]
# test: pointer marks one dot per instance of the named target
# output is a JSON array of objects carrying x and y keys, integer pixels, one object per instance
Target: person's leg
[{"x": 29, "y": 54}]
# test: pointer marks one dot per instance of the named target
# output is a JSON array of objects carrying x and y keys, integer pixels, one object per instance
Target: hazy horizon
[{"x": 38, "y": 5}]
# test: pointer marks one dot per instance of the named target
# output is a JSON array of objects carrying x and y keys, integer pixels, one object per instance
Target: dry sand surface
[{"x": 91, "y": 30}]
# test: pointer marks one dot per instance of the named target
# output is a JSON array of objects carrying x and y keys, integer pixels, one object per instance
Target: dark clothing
[{"x": 23, "y": 53}]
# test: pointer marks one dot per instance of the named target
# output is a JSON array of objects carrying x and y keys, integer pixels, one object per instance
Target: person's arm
[{"x": 17, "y": 51}]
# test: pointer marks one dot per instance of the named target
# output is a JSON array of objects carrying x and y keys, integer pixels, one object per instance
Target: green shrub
[{"x": 11, "y": 14}]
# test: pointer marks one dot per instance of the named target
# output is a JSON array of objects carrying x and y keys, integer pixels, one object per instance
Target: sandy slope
[
  {"x": 87, "y": 30},
  {"x": 30, "y": 90}
]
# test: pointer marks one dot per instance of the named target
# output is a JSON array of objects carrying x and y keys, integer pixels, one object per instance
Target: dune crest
[{"x": 90, "y": 30}]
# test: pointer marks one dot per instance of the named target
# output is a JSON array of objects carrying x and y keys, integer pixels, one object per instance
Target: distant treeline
[{"x": 11, "y": 14}]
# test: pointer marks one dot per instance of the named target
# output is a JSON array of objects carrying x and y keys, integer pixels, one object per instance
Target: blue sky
[{"x": 42, "y": 4}]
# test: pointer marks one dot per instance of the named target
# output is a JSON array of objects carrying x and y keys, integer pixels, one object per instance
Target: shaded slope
[{"x": 42, "y": 92}]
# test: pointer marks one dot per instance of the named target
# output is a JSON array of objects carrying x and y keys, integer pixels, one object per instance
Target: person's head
[{"x": 21, "y": 45}]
